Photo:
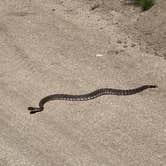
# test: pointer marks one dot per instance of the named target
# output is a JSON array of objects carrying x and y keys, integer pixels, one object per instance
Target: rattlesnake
[{"x": 88, "y": 96}]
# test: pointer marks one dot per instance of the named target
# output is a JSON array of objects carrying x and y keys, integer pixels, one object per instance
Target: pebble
[{"x": 99, "y": 55}]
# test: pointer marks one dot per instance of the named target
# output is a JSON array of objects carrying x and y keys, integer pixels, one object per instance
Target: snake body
[{"x": 88, "y": 96}]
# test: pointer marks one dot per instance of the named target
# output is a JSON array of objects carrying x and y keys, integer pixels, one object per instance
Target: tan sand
[{"x": 49, "y": 46}]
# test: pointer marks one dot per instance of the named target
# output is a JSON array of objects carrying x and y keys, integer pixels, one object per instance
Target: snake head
[{"x": 33, "y": 110}]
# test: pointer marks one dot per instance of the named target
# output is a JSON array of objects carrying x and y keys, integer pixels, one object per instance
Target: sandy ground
[
  {"x": 52, "y": 46},
  {"x": 147, "y": 28}
]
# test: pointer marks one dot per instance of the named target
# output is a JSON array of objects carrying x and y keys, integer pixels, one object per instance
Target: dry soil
[{"x": 76, "y": 46}]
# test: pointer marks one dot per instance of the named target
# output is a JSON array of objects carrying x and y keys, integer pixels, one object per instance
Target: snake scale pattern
[{"x": 88, "y": 96}]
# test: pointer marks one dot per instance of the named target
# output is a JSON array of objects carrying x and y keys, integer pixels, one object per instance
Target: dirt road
[{"x": 50, "y": 47}]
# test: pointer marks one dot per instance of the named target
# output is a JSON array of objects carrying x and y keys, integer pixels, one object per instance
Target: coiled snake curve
[{"x": 88, "y": 96}]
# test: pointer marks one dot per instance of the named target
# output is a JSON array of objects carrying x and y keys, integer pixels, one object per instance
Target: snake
[{"x": 88, "y": 96}]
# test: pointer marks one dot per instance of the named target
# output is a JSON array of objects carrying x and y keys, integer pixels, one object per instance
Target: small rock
[
  {"x": 119, "y": 41},
  {"x": 95, "y": 6},
  {"x": 99, "y": 55},
  {"x": 116, "y": 52},
  {"x": 133, "y": 45},
  {"x": 125, "y": 46}
]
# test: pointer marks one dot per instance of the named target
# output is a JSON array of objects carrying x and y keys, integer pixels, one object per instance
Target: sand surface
[{"x": 75, "y": 46}]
